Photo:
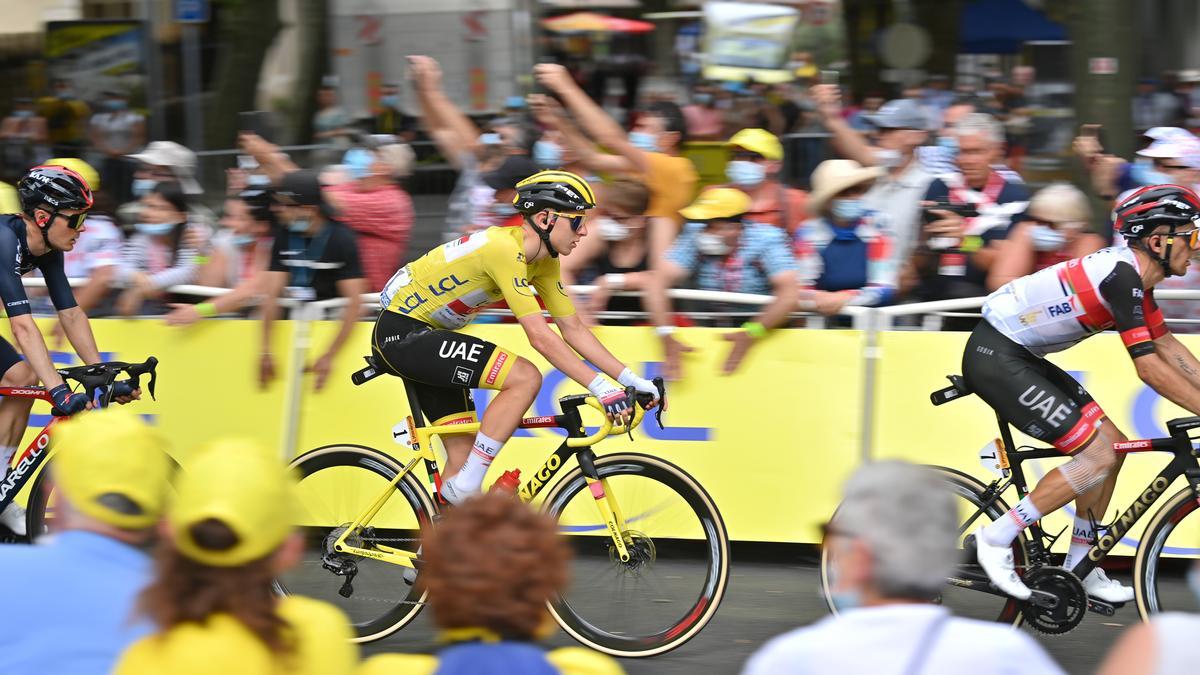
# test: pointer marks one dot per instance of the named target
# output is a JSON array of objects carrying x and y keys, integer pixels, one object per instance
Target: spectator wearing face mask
[
  {"x": 755, "y": 159},
  {"x": 650, "y": 151},
  {"x": 314, "y": 257},
  {"x": 954, "y": 252},
  {"x": 158, "y": 255},
  {"x": 391, "y": 119},
  {"x": 724, "y": 251},
  {"x": 375, "y": 206},
  {"x": 1171, "y": 156},
  {"x": 617, "y": 253},
  {"x": 465, "y": 148},
  {"x": 169, "y": 162},
  {"x": 844, "y": 253},
  {"x": 705, "y": 121},
  {"x": 23, "y": 137},
  {"x": 117, "y": 131},
  {"x": 1054, "y": 229},
  {"x": 900, "y": 132},
  {"x": 889, "y": 549}
]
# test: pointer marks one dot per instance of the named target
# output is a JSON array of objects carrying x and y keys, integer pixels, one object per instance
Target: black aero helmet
[
  {"x": 53, "y": 188},
  {"x": 1139, "y": 214},
  {"x": 560, "y": 191}
]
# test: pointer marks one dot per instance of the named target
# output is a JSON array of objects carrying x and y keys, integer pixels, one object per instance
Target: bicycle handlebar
[
  {"x": 97, "y": 375},
  {"x": 607, "y": 428}
]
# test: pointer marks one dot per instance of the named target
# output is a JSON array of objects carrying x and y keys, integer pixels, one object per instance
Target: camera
[{"x": 961, "y": 210}]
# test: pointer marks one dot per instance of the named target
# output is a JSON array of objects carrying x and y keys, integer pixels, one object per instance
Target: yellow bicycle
[{"x": 651, "y": 549}]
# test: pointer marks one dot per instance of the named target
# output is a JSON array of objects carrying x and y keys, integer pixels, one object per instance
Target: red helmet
[{"x": 1140, "y": 213}]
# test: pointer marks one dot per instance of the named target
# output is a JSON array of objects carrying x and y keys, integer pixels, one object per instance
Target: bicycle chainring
[{"x": 1072, "y": 600}]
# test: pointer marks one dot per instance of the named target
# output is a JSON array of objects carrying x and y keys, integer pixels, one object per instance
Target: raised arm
[
  {"x": 456, "y": 131},
  {"x": 847, "y": 141},
  {"x": 591, "y": 117},
  {"x": 547, "y": 112}
]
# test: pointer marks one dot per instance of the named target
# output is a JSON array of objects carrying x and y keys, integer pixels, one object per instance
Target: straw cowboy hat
[{"x": 834, "y": 175}]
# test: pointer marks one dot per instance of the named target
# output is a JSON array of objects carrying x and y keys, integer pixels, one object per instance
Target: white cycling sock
[
  {"x": 1082, "y": 535},
  {"x": 470, "y": 479},
  {"x": 1001, "y": 532},
  {"x": 6, "y": 452}
]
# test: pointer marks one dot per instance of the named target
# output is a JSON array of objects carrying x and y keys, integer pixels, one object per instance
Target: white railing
[{"x": 870, "y": 320}]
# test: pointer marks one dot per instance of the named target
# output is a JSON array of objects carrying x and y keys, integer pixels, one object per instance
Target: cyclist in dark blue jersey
[{"x": 54, "y": 201}]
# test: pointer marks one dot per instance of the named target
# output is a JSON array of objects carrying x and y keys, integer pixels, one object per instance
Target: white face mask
[
  {"x": 711, "y": 244},
  {"x": 611, "y": 230},
  {"x": 888, "y": 159},
  {"x": 1047, "y": 238}
]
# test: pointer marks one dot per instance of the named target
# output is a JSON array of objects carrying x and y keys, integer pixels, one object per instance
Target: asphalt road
[{"x": 766, "y": 598}]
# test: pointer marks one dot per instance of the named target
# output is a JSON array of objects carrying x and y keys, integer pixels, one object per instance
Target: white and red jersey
[{"x": 1057, "y": 307}]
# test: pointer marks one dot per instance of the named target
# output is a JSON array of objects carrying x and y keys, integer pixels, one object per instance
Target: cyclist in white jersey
[{"x": 1050, "y": 311}]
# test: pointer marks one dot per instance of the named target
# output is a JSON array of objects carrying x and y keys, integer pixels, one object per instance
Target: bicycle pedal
[
  {"x": 1103, "y": 608},
  {"x": 347, "y": 588}
]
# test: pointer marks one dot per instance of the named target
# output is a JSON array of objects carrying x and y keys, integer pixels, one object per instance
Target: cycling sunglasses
[
  {"x": 74, "y": 222},
  {"x": 576, "y": 220},
  {"x": 1193, "y": 236}
]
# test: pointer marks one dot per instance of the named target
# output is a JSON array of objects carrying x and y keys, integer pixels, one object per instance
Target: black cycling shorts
[
  {"x": 1029, "y": 392},
  {"x": 443, "y": 365}
]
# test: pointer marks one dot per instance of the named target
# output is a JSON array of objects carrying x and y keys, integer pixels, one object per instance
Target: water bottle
[{"x": 508, "y": 482}]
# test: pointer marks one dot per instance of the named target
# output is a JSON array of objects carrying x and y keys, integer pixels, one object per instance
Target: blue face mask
[
  {"x": 644, "y": 141},
  {"x": 358, "y": 161},
  {"x": 844, "y": 599},
  {"x": 1143, "y": 172},
  {"x": 299, "y": 225},
  {"x": 115, "y": 105},
  {"x": 23, "y": 114},
  {"x": 489, "y": 139},
  {"x": 547, "y": 154},
  {"x": 703, "y": 99},
  {"x": 390, "y": 101},
  {"x": 154, "y": 228},
  {"x": 142, "y": 186},
  {"x": 950, "y": 143},
  {"x": 744, "y": 173},
  {"x": 242, "y": 240},
  {"x": 847, "y": 210}
]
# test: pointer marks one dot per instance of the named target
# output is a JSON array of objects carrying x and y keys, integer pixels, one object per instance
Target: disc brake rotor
[
  {"x": 1072, "y": 600},
  {"x": 641, "y": 551}
]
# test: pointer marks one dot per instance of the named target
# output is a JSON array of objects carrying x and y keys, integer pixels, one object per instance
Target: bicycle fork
[{"x": 606, "y": 504}]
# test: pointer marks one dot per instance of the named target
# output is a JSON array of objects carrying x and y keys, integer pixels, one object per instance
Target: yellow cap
[
  {"x": 717, "y": 203},
  {"x": 113, "y": 467},
  {"x": 244, "y": 486},
  {"x": 761, "y": 141},
  {"x": 80, "y": 167}
]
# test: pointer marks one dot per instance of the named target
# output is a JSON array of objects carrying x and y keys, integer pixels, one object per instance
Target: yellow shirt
[
  {"x": 672, "y": 183},
  {"x": 447, "y": 286},
  {"x": 224, "y": 646},
  {"x": 9, "y": 201},
  {"x": 568, "y": 661}
]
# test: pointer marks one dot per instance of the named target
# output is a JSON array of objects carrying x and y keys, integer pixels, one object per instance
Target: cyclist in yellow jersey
[{"x": 427, "y": 300}]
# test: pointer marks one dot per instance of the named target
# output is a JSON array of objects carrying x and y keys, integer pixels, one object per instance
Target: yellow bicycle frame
[{"x": 605, "y": 499}]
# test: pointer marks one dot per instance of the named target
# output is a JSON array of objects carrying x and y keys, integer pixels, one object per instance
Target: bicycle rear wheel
[
  {"x": 337, "y": 484},
  {"x": 679, "y": 570},
  {"x": 41, "y": 512},
  {"x": 965, "y": 602},
  {"x": 1165, "y": 555}
]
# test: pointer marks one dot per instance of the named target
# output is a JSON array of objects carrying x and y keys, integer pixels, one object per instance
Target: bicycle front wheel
[
  {"x": 965, "y": 602},
  {"x": 679, "y": 566},
  {"x": 1164, "y": 556},
  {"x": 337, "y": 484}
]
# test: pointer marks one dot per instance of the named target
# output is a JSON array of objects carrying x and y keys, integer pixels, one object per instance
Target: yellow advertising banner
[
  {"x": 772, "y": 443},
  {"x": 908, "y": 426}
]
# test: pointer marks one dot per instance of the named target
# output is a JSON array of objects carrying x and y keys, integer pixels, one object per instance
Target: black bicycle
[{"x": 1059, "y": 602}]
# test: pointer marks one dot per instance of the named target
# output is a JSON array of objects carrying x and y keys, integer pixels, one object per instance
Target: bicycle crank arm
[
  {"x": 1103, "y": 608},
  {"x": 1043, "y": 599}
]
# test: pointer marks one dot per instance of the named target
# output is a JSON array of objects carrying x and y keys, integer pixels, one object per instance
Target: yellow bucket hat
[
  {"x": 245, "y": 487},
  {"x": 716, "y": 203},
  {"x": 113, "y": 467}
]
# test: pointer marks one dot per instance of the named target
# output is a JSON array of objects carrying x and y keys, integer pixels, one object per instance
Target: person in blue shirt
[
  {"x": 724, "y": 251},
  {"x": 845, "y": 253},
  {"x": 69, "y": 600}
]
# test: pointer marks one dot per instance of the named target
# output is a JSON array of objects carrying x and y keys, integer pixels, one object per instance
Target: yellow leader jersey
[{"x": 447, "y": 286}]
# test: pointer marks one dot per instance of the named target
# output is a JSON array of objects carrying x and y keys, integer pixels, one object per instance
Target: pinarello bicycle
[
  {"x": 651, "y": 550},
  {"x": 1059, "y": 602},
  {"x": 97, "y": 380}
]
